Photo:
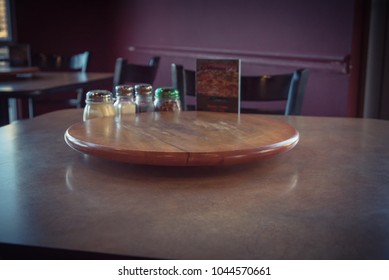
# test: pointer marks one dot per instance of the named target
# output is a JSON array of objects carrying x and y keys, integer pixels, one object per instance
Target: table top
[
  {"x": 12, "y": 72},
  {"x": 327, "y": 198},
  {"x": 183, "y": 138},
  {"x": 43, "y": 82}
]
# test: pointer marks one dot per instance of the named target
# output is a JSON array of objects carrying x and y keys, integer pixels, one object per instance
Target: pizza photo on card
[{"x": 218, "y": 85}]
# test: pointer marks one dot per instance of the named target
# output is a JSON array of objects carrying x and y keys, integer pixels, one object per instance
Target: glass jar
[
  {"x": 167, "y": 99},
  {"x": 99, "y": 103},
  {"x": 144, "y": 98},
  {"x": 124, "y": 103}
]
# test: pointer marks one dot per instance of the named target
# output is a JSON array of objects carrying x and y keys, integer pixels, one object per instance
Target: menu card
[{"x": 218, "y": 85}]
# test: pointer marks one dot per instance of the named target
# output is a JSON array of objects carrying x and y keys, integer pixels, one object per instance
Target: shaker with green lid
[{"x": 167, "y": 99}]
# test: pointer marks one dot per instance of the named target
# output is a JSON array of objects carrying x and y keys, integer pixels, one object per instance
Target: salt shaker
[
  {"x": 144, "y": 98},
  {"x": 99, "y": 103},
  {"x": 124, "y": 104}
]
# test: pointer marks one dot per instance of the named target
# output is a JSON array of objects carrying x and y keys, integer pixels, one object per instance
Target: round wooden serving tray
[{"x": 190, "y": 138}]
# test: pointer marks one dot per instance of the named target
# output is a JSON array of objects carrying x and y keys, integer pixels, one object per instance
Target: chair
[
  {"x": 64, "y": 63},
  {"x": 126, "y": 73},
  {"x": 54, "y": 62},
  {"x": 255, "y": 90},
  {"x": 15, "y": 55}
]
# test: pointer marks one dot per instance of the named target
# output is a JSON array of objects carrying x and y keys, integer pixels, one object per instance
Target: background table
[
  {"x": 327, "y": 198},
  {"x": 46, "y": 83},
  {"x": 7, "y": 73}
]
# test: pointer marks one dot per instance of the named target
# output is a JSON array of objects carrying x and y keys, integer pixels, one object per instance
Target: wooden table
[
  {"x": 327, "y": 198},
  {"x": 46, "y": 83},
  {"x": 7, "y": 73}
]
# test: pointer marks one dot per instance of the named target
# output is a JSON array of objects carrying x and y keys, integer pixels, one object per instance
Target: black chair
[
  {"x": 61, "y": 63},
  {"x": 126, "y": 73},
  {"x": 15, "y": 55},
  {"x": 255, "y": 90},
  {"x": 67, "y": 63}
]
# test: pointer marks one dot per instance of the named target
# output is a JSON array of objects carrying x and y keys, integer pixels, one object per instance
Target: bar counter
[{"x": 327, "y": 198}]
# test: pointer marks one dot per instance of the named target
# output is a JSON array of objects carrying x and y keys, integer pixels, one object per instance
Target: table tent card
[{"x": 218, "y": 85}]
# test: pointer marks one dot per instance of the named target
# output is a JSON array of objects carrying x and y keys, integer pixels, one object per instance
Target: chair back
[
  {"x": 297, "y": 91},
  {"x": 126, "y": 73},
  {"x": 70, "y": 63},
  {"x": 79, "y": 61},
  {"x": 15, "y": 55},
  {"x": 184, "y": 81},
  {"x": 66, "y": 63},
  {"x": 288, "y": 87}
]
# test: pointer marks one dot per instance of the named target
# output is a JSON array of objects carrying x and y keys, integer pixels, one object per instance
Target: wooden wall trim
[{"x": 323, "y": 63}]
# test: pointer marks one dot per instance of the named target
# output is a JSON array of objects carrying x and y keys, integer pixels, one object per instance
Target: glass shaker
[
  {"x": 99, "y": 103},
  {"x": 167, "y": 99},
  {"x": 144, "y": 98},
  {"x": 124, "y": 104}
]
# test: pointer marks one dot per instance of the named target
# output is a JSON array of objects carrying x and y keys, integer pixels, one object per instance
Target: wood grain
[{"x": 183, "y": 139}]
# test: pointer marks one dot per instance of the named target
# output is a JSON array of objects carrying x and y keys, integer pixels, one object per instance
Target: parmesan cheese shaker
[{"x": 99, "y": 103}]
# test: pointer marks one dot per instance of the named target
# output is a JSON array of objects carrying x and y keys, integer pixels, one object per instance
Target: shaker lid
[
  {"x": 143, "y": 89},
  {"x": 99, "y": 95},
  {"x": 124, "y": 90},
  {"x": 167, "y": 92}
]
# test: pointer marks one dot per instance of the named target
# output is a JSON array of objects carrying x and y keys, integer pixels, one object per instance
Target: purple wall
[
  {"x": 269, "y": 36},
  {"x": 66, "y": 27}
]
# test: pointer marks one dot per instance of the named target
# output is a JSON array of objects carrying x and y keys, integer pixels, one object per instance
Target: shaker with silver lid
[
  {"x": 144, "y": 98},
  {"x": 99, "y": 103},
  {"x": 124, "y": 104}
]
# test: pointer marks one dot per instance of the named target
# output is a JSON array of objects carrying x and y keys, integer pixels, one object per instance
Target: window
[{"x": 5, "y": 21}]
